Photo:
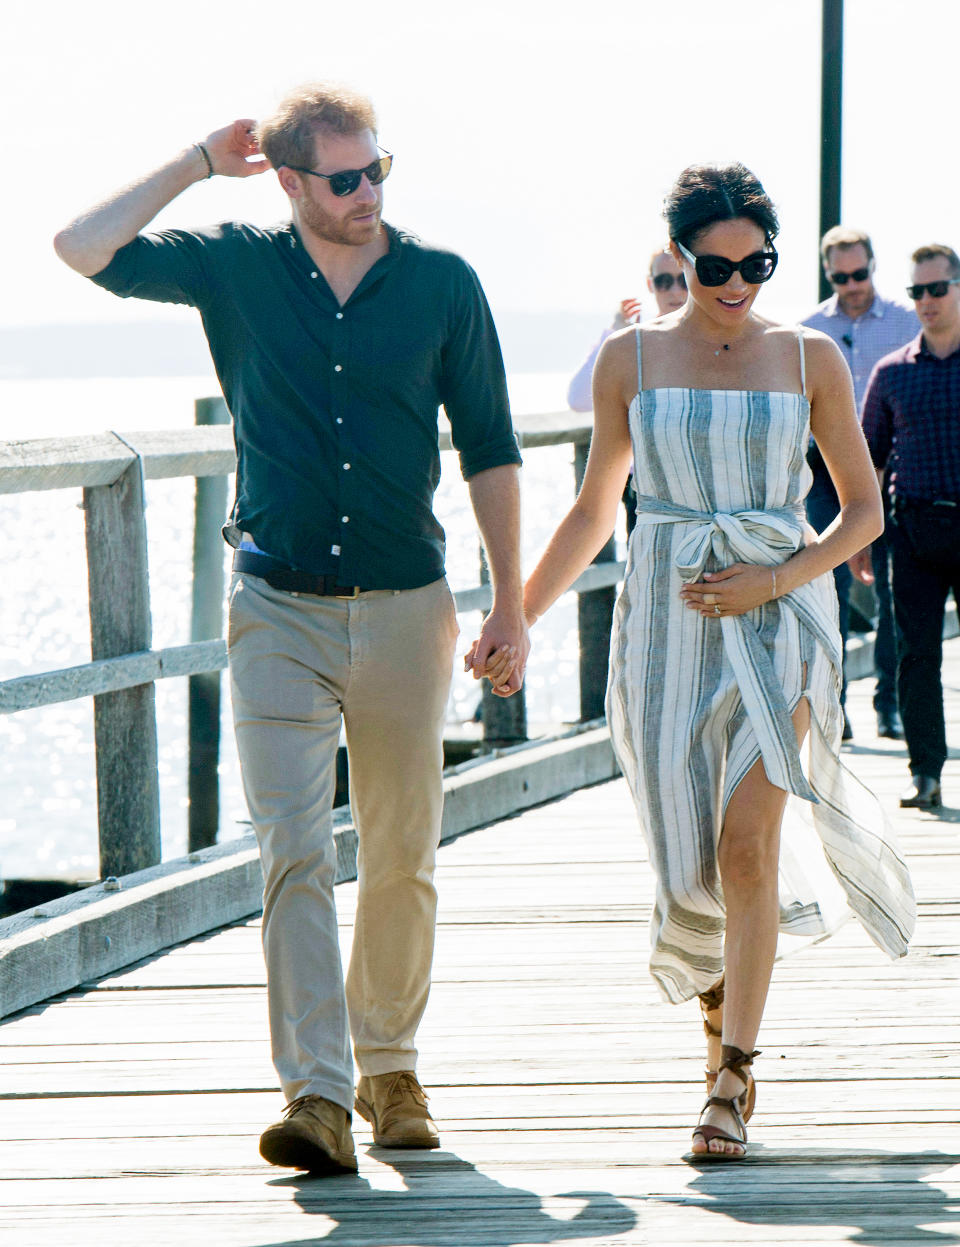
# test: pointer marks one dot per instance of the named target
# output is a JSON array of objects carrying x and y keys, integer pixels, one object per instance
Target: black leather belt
[{"x": 281, "y": 576}]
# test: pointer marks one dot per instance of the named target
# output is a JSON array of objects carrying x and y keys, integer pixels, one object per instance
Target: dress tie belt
[{"x": 765, "y": 538}]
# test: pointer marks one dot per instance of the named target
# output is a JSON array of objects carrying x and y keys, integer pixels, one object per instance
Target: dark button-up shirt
[
  {"x": 911, "y": 420},
  {"x": 335, "y": 407}
]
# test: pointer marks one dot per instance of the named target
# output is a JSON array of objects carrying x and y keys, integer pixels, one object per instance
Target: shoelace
[{"x": 405, "y": 1083}]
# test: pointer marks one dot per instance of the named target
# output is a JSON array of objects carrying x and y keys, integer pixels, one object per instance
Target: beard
[{"x": 343, "y": 229}]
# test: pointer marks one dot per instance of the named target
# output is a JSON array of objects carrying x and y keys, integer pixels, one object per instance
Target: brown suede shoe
[
  {"x": 396, "y": 1106},
  {"x": 314, "y": 1134}
]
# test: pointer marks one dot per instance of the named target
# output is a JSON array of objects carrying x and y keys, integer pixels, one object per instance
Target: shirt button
[
  {"x": 344, "y": 519},
  {"x": 346, "y": 467},
  {"x": 339, "y": 419},
  {"x": 313, "y": 274},
  {"x": 338, "y": 368},
  {"x": 339, "y": 315}
]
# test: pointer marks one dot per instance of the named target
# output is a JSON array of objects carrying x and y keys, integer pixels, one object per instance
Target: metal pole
[{"x": 831, "y": 124}]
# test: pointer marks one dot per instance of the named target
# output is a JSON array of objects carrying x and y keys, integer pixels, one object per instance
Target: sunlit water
[{"x": 48, "y": 822}]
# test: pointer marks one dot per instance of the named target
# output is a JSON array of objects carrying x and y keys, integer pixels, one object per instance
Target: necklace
[{"x": 725, "y": 347}]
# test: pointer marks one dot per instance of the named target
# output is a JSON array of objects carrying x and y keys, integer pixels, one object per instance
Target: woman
[{"x": 725, "y": 653}]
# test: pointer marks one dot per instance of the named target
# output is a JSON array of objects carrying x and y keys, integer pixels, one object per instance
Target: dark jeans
[
  {"x": 885, "y": 643},
  {"x": 822, "y": 509},
  {"x": 925, "y": 545}
]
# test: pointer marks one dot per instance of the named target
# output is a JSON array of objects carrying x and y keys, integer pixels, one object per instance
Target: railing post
[
  {"x": 504, "y": 718},
  {"x": 203, "y": 786},
  {"x": 594, "y": 618},
  {"x": 125, "y": 723}
]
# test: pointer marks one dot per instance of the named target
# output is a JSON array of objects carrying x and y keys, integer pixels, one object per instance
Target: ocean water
[{"x": 48, "y": 821}]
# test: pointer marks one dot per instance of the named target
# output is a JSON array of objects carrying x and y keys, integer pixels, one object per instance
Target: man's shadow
[
  {"x": 445, "y": 1200},
  {"x": 814, "y": 1188}
]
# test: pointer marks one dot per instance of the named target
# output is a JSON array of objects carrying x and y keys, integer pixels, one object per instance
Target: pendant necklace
[{"x": 725, "y": 347}]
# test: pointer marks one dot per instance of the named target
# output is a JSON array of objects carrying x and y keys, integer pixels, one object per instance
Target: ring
[{"x": 716, "y": 609}]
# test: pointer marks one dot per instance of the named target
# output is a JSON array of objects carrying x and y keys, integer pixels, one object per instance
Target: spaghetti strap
[
  {"x": 639, "y": 363},
  {"x": 803, "y": 365}
]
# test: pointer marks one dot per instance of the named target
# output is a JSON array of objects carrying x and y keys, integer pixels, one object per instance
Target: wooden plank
[
  {"x": 110, "y": 675},
  {"x": 62, "y": 462}
]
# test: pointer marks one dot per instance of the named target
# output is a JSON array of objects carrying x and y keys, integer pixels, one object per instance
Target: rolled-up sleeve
[
  {"x": 474, "y": 385},
  {"x": 165, "y": 267}
]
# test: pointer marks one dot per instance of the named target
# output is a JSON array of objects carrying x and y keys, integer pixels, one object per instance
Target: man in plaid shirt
[{"x": 911, "y": 419}]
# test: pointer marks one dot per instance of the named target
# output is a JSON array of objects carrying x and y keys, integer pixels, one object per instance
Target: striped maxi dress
[{"x": 692, "y": 703}]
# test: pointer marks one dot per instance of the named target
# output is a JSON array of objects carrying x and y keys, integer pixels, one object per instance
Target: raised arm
[
  {"x": 591, "y": 519},
  {"x": 89, "y": 242}
]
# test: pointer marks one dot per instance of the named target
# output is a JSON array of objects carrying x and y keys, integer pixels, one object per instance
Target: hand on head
[{"x": 229, "y": 150}]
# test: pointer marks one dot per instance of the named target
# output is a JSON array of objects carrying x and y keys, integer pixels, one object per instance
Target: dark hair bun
[{"x": 705, "y": 194}]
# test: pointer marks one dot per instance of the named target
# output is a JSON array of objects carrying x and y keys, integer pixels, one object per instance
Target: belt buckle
[{"x": 347, "y": 597}]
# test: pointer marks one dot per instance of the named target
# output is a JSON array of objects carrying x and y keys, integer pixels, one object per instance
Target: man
[
  {"x": 667, "y": 284},
  {"x": 336, "y": 338},
  {"x": 911, "y": 420},
  {"x": 865, "y": 327}
]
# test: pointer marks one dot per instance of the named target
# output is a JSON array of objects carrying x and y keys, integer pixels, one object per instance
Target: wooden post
[
  {"x": 594, "y": 618},
  {"x": 125, "y": 723},
  {"x": 504, "y": 718},
  {"x": 203, "y": 784}
]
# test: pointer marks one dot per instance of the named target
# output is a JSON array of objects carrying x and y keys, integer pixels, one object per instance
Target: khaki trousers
[{"x": 381, "y": 663}]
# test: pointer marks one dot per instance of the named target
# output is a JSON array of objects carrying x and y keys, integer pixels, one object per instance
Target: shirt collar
[
  {"x": 919, "y": 347},
  {"x": 876, "y": 309}
]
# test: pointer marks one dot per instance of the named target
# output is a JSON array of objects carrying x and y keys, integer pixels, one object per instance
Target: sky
[{"x": 537, "y": 139}]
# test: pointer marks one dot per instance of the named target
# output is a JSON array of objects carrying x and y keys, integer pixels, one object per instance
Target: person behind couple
[
  {"x": 865, "y": 326},
  {"x": 725, "y": 651},
  {"x": 667, "y": 284},
  {"x": 336, "y": 338}
]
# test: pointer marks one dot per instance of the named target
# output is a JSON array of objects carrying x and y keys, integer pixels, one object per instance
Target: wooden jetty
[{"x": 564, "y": 1087}]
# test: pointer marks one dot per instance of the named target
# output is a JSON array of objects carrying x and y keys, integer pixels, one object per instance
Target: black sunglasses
[
  {"x": 716, "y": 270},
  {"x": 665, "y": 281},
  {"x": 347, "y": 180},
  {"x": 841, "y": 279},
  {"x": 937, "y": 288}
]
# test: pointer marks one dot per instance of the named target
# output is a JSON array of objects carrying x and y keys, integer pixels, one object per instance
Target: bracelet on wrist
[{"x": 206, "y": 157}]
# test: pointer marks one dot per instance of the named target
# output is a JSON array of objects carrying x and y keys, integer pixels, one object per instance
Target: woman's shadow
[
  {"x": 445, "y": 1200},
  {"x": 885, "y": 1195}
]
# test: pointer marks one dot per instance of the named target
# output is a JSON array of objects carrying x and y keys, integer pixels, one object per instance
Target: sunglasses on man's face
[
  {"x": 665, "y": 281},
  {"x": 347, "y": 180},
  {"x": 937, "y": 288},
  {"x": 841, "y": 279},
  {"x": 716, "y": 270}
]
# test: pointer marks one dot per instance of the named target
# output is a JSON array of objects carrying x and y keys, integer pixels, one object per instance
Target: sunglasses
[
  {"x": 347, "y": 180},
  {"x": 716, "y": 270},
  {"x": 841, "y": 279},
  {"x": 936, "y": 288},
  {"x": 665, "y": 281}
]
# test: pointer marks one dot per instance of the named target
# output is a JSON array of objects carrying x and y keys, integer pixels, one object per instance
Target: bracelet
[
  {"x": 773, "y": 577},
  {"x": 206, "y": 156}
]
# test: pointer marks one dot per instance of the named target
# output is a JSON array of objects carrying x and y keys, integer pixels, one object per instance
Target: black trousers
[
  {"x": 823, "y": 508},
  {"x": 925, "y": 546}
]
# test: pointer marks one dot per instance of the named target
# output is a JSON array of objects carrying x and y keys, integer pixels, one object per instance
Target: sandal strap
[
  {"x": 734, "y": 1059},
  {"x": 733, "y": 1108},
  {"x": 712, "y": 999}
]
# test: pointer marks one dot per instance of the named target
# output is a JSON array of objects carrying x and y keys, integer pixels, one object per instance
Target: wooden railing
[{"x": 111, "y": 471}]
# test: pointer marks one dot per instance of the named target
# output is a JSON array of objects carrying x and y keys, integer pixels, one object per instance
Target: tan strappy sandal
[
  {"x": 710, "y": 1001},
  {"x": 734, "y": 1059}
]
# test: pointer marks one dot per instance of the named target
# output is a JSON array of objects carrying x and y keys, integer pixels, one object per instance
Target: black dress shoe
[
  {"x": 889, "y": 725},
  {"x": 923, "y": 794},
  {"x": 847, "y": 733}
]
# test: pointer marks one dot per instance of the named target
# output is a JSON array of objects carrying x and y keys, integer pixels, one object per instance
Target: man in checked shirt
[{"x": 911, "y": 419}]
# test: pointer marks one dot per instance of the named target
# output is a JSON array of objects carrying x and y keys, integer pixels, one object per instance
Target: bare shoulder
[
  {"x": 825, "y": 363},
  {"x": 616, "y": 366}
]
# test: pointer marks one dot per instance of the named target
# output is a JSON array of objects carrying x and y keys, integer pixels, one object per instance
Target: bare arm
[
  {"x": 591, "y": 519},
  {"x": 89, "y": 242},
  {"x": 495, "y": 495}
]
